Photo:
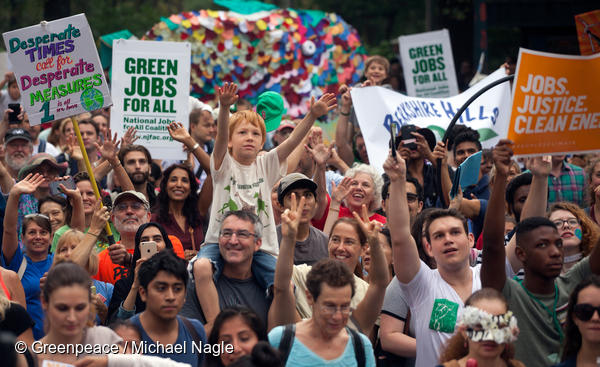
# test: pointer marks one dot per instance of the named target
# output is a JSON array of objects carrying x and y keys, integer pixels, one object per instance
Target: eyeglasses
[
  {"x": 585, "y": 311},
  {"x": 123, "y": 206},
  {"x": 242, "y": 235},
  {"x": 411, "y": 198},
  {"x": 331, "y": 310},
  {"x": 572, "y": 222},
  {"x": 37, "y": 215}
]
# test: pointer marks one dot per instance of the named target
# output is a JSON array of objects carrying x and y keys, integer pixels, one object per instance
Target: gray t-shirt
[
  {"x": 311, "y": 250},
  {"x": 231, "y": 292},
  {"x": 538, "y": 344},
  {"x": 395, "y": 305}
]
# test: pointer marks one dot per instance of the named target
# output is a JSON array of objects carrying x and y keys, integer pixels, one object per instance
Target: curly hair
[
  {"x": 375, "y": 177},
  {"x": 572, "y": 342},
  {"x": 457, "y": 346},
  {"x": 190, "y": 206},
  {"x": 589, "y": 172},
  {"x": 589, "y": 229}
]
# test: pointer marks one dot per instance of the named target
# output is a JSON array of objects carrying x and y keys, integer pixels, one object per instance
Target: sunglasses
[{"x": 585, "y": 311}]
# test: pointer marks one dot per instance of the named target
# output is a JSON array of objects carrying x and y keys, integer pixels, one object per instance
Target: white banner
[
  {"x": 377, "y": 108},
  {"x": 428, "y": 64},
  {"x": 151, "y": 88},
  {"x": 57, "y": 68}
]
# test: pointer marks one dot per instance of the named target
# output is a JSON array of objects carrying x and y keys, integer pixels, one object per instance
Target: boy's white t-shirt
[
  {"x": 240, "y": 187},
  {"x": 435, "y": 307}
]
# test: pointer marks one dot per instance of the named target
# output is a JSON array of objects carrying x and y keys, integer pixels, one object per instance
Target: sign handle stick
[
  {"x": 88, "y": 167},
  {"x": 455, "y": 119}
]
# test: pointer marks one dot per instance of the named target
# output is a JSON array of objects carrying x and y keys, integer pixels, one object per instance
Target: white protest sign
[
  {"x": 428, "y": 64},
  {"x": 57, "y": 68},
  {"x": 151, "y": 89},
  {"x": 378, "y": 108}
]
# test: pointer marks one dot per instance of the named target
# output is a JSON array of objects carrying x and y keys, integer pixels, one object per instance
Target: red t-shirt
[{"x": 109, "y": 272}]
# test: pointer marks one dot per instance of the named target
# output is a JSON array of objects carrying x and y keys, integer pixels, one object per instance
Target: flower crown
[{"x": 483, "y": 326}]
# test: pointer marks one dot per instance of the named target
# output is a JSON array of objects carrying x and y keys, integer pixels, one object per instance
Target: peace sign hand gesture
[
  {"x": 290, "y": 218},
  {"x": 370, "y": 228}
]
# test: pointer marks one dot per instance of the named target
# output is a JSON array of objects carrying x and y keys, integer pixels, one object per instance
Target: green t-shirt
[
  {"x": 100, "y": 244},
  {"x": 539, "y": 341}
]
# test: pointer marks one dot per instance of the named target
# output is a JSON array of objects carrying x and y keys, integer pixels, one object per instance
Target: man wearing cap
[
  {"x": 18, "y": 149},
  {"x": 130, "y": 211},
  {"x": 283, "y": 131},
  {"x": 311, "y": 243}
]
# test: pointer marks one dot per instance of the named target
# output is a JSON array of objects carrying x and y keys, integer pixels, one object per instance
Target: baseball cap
[
  {"x": 293, "y": 181},
  {"x": 270, "y": 108},
  {"x": 286, "y": 124},
  {"x": 131, "y": 194},
  {"x": 36, "y": 160},
  {"x": 17, "y": 133}
]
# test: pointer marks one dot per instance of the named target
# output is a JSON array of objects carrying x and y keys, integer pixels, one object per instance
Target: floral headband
[{"x": 482, "y": 326}]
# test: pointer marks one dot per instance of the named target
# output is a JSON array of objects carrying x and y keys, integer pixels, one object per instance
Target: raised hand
[
  {"x": 109, "y": 148},
  {"x": 395, "y": 168},
  {"x": 540, "y": 166},
  {"x": 136, "y": 280},
  {"x": 370, "y": 228},
  {"x": 325, "y": 104},
  {"x": 178, "y": 131},
  {"x": 456, "y": 201},
  {"x": 320, "y": 153},
  {"x": 346, "y": 101},
  {"x": 227, "y": 94},
  {"x": 130, "y": 137},
  {"x": 290, "y": 218},
  {"x": 440, "y": 152},
  {"x": 339, "y": 193},
  {"x": 72, "y": 194},
  {"x": 73, "y": 149},
  {"x": 99, "y": 218},
  {"x": 502, "y": 156},
  {"x": 423, "y": 146},
  {"x": 28, "y": 185},
  {"x": 315, "y": 136}
]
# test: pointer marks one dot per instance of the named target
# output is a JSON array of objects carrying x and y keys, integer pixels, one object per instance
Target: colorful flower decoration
[{"x": 297, "y": 53}]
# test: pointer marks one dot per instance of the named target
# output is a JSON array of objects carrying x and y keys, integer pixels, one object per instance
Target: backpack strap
[
  {"x": 22, "y": 268},
  {"x": 190, "y": 327},
  {"x": 287, "y": 339},
  {"x": 42, "y": 146},
  {"x": 359, "y": 350}
]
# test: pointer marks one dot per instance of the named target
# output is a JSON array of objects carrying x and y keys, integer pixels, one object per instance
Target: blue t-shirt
[
  {"x": 183, "y": 338},
  {"x": 105, "y": 290},
  {"x": 31, "y": 285},
  {"x": 300, "y": 355}
]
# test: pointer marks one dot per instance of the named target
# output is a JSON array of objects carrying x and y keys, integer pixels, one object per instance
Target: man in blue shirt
[{"x": 162, "y": 280}]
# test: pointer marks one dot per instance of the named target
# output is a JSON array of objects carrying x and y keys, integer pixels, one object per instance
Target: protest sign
[
  {"x": 588, "y": 32},
  {"x": 151, "y": 88},
  {"x": 428, "y": 64},
  {"x": 57, "y": 68},
  {"x": 378, "y": 108},
  {"x": 556, "y": 104}
]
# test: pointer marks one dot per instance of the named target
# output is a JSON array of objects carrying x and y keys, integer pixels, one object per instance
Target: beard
[
  {"x": 138, "y": 178},
  {"x": 16, "y": 161},
  {"x": 123, "y": 227}
]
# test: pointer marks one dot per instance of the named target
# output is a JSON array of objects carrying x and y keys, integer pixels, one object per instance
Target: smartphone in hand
[
  {"x": 148, "y": 249},
  {"x": 54, "y": 188},
  {"x": 13, "y": 117}
]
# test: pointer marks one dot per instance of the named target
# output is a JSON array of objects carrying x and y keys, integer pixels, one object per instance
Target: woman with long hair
[
  {"x": 582, "y": 331},
  {"x": 593, "y": 183},
  {"x": 180, "y": 209},
  {"x": 578, "y": 232},
  {"x": 485, "y": 332},
  {"x": 67, "y": 303},
  {"x": 126, "y": 301},
  {"x": 238, "y": 326}
]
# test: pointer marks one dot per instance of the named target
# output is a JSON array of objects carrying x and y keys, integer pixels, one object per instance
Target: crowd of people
[{"x": 273, "y": 248}]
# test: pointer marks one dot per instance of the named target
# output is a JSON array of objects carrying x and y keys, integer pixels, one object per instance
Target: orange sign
[
  {"x": 556, "y": 104},
  {"x": 588, "y": 32}
]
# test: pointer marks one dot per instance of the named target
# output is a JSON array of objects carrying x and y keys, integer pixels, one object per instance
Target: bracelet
[
  {"x": 334, "y": 209},
  {"x": 344, "y": 113},
  {"x": 94, "y": 234},
  {"x": 195, "y": 147}
]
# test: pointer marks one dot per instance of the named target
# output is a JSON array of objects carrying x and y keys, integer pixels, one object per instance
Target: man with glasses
[
  {"x": 414, "y": 196},
  {"x": 240, "y": 237},
  {"x": 130, "y": 211}
]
